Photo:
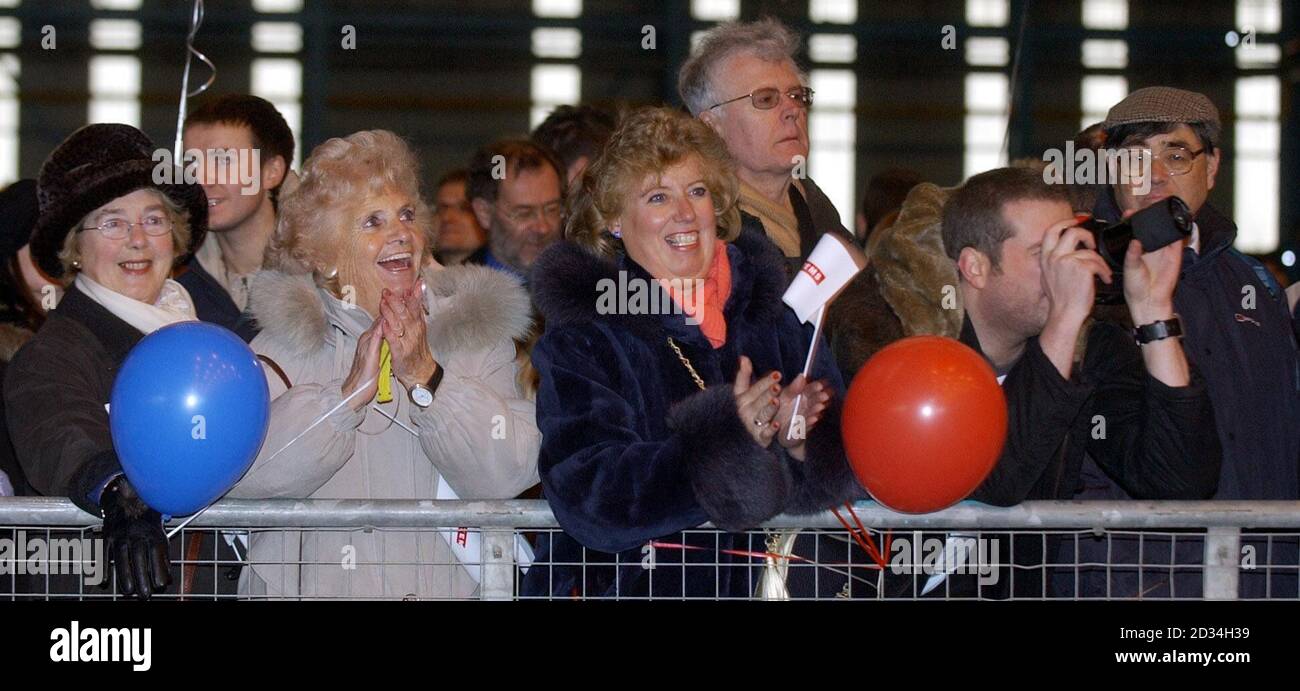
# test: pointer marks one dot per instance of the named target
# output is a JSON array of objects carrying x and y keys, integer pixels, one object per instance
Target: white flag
[{"x": 830, "y": 267}]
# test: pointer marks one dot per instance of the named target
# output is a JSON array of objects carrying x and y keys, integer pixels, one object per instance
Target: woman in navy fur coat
[{"x": 669, "y": 368}]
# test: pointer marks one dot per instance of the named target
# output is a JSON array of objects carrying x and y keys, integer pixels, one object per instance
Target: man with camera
[
  {"x": 1238, "y": 332},
  {"x": 1027, "y": 279},
  {"x": 1237, "y": 325}
]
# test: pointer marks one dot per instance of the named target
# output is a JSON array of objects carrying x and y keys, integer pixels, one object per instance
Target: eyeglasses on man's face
[
  {"x": 1176, "y": 159},
  {"x": 521, "y": 215},
  {"x": 770, "y": 97}
]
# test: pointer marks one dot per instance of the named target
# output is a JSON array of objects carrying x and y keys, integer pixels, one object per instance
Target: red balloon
[{"x": 924, "y": 423}]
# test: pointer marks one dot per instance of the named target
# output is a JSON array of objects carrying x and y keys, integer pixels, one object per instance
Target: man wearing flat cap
[{"x": 1234, "y": 320}]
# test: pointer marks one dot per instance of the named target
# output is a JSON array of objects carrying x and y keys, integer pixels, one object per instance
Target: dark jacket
[
  {"x": 633, "y": 451},
  {"x": 211, "y": 301},
  {"x": 1247, "y": 353},
  {"x": 1154, "y": 440},
  {"x": 55, "y": 390},
  {"x": 1249, "y": 357}
]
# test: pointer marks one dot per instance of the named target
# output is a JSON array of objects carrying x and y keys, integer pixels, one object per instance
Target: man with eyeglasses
[
  {"x": 1237, "y": 331},
  {"x": 517, "y": 193},
  {"x": 743, "y": 82}
]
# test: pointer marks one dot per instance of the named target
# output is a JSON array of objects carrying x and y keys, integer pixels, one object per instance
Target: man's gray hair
[{"x": 767, "y": 39}]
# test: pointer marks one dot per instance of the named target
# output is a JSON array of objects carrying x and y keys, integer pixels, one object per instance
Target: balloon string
[
  {"x": 186, "y": 522},
  {"x": 880, "y": 558},
  {"x": 322, "y": 418},
  {"x": 375, "y": 407},
  {"x": 196, "y": 20},
  {"x": 868, "y": 546},
  {"x": 860, "y": 535},
  {"x": 758, "y": 555},
  {"x": 733, "y": 552},
  {"x": 302, "y": 434}
]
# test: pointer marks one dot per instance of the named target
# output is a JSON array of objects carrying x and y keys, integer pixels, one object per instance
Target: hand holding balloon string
[{"x": 369, "y": 385}]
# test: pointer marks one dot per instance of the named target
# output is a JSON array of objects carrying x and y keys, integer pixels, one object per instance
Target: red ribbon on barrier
[
  {"x": 734, "y": 552},
  {"x": 863, "y": 537}
]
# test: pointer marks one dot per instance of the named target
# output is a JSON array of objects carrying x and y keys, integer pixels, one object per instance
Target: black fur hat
[{"x": 92, "y": 167}]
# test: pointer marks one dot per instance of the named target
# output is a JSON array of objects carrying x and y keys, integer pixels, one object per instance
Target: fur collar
[
  {"x": 565, "y": 280},
  {"x": 474, "y": 307}
]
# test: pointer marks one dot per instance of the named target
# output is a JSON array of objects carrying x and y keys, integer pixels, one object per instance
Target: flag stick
[{"x": 807, "y": 366}]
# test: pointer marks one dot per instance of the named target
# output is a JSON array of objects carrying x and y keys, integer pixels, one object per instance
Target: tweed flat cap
[{"x": 1163, "y": 104}]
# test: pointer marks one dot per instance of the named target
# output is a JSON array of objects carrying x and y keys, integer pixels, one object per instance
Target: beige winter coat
[{"x": 480, "y": 434}]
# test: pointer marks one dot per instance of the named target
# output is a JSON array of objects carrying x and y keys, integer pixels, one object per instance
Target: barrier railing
[{"x": 349, "y": 549}]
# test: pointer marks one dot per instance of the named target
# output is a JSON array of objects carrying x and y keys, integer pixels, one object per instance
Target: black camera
[{"x": 1155, "y": 227}]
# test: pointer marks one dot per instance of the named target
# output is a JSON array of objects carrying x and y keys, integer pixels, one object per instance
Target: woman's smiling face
[
  {"x": 668, "y": 223},
  {"x": 137, "y": 264},
  {"x": 384, "y": 249}
]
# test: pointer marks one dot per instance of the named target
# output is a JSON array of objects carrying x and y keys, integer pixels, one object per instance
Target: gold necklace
[{"x": 698, "y": 381}]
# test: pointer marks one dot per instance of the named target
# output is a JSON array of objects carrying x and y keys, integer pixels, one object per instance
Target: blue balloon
[{"x": 188, "y": 414}]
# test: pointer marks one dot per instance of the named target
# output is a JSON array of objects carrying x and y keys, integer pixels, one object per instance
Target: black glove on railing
[{"x": 136, "y": 542}]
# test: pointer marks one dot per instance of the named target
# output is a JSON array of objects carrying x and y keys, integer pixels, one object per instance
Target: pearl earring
[
  {"x": 333, "y": 273},
  {"x": 617, "y": 232}
]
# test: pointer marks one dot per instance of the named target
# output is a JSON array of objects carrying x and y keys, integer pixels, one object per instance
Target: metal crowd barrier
[{"x": 1245, "y": 549}]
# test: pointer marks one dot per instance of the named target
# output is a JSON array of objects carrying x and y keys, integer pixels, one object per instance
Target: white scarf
[{"x": 173, "y": 305}]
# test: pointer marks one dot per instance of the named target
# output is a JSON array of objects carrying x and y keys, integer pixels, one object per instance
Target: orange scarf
[{"x": 717, "y": 288}]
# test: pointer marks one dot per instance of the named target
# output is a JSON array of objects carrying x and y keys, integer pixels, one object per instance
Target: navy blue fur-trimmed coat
[{"x": 633, "y": 451}]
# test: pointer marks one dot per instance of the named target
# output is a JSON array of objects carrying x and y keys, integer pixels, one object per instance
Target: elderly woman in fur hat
[
  {"x": 657, "y": 420},
  {"x": 113, "y": 236},
  {"x": 390, "y": 376}
]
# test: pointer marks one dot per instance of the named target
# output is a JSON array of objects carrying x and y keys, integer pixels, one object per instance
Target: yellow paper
[{"x": 385, "y": 373}]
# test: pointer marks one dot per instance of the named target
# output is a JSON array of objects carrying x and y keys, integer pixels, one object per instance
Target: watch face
[{"x": 421, "y": 396}]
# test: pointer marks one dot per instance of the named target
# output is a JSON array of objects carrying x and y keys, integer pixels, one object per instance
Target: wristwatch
[
  {"x": 422, "y": 394},
  {"x": 1156, "y": 331}
]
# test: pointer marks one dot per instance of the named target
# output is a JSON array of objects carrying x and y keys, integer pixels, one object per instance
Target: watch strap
[{"x": 1157, "y": 331}]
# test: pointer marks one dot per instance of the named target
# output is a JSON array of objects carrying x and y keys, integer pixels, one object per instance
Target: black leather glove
[{"x": 136, "y": 542}]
